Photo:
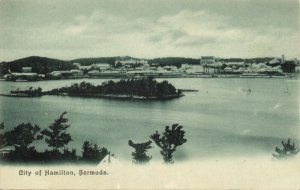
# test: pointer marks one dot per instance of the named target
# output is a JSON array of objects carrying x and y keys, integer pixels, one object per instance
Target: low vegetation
[
  {"x": 16, "y": 145},
  {"x": 288, "y": 150},
  {"x": 169, "y": 141},
  {"x": 30, "y": 92},
  {"x": 139, "y": 155}
]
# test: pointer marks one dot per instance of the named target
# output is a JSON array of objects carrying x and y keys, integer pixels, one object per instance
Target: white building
[
  {"x": 101, "y": 66},
  {"x": 26, "y": 69},
  {"x": 131, "y": 62}
]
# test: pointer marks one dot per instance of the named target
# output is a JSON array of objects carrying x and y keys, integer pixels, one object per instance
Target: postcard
[{"x": 161, "y": 94}]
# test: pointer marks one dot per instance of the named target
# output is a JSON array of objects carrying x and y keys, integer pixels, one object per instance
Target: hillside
[
  {"x": 89, "y": 61},
  {"x": 40, "y": 65},
  {"x": 177, "y": 61}
]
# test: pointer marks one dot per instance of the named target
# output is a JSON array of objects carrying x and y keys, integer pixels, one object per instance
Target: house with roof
[{"x": 26, "y": 69}]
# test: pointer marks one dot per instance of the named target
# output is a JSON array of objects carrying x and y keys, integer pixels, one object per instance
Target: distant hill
[
  {"x": 248, "y": 60},
  {"x": 41, "y": 65}
]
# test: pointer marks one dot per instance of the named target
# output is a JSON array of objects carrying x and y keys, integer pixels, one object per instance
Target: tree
[
  {"x": 140, "y": 155},
  {"x": 287, "y": 151},
  {"x": 118, "y": 65},
  {"x": 288, "y": 67},
  {"x": 93, "y": 153},
  {"x": 87, "y": 150},
  {"x": 3, "y": 142},
  {"x": 57, "y": 136},
  {"x": 169, "y": 141},
  {"x": 22, "y": 136}
]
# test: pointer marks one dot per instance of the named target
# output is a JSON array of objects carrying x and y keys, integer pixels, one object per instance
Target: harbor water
[{"x": 222, "y": 119}]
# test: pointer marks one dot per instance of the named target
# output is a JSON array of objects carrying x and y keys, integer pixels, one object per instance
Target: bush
[
  {"x": 93, "y": 153},
  {"x": 169, "y": 141},
  {"x": 288, "y": 150},
  {"x": 139, "y": 155}
]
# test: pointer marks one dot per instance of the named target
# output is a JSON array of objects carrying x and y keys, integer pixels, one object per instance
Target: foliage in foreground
[
  {"x": 169, "y": 141},
  {"x": 23, "y": 136},
  {"x": 93, "y": 153},
  {"x": 288, "y": 150},
  {"x": 139, "y": 155},
  {"x": 57, "y": 136}
]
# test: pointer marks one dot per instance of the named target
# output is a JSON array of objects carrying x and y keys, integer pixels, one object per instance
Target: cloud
[{"x": 187, "y": 33}]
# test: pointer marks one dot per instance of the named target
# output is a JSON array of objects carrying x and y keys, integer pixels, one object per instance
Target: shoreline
[
  {"x": 104, "y": 96},
  {"x": 293, "y": 76},
  {"x": 119, "y": 97}
]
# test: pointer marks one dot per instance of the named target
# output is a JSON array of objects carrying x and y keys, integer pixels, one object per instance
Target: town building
[
  {"x": 26, "y": 69},
  {"x": 131, "y": 62},
  {"x": 101, "y": 66}
]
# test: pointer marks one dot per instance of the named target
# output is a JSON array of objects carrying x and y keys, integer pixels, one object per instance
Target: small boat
[{"x": 248, "y": 89}]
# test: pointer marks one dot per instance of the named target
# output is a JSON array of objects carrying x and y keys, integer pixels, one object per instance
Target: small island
[
  {"x": 137, "y": 89},
  {"x": 30, "y": 92}
]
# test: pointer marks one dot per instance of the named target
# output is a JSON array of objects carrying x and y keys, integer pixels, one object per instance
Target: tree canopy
[
  {"x": 139, "y": 155},
  {"x": 56, "y": 135},
  {"x": 169, "y": 141},
  {"x": 22, "y": 135},
  {"x": 146, "y": 87}
]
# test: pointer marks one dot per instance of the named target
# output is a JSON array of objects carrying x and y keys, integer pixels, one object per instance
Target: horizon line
[{"x": 152, "y": 57}]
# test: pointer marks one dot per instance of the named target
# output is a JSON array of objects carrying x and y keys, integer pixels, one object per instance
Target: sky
[{"x": 70, "y": 29}]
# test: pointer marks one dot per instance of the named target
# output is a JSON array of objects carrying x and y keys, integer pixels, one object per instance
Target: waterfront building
[
  {"x": 236, "y": 63},
  {"x": 228, "y": 69},
  {"x": 58, "y": 74},
  {"x": 26, "y": 69},
  {"x": 87, "y": 68},
  {"x": 21, "y": 76},
  {"x": 186, "y": 66},
  {"x": 131, "y": 62},
  {"x": 77, "y": 72},
  {"x": 101, "y": 66},
  {"x": 93, "y": 73},
  {"x": 274, "y": 61}
]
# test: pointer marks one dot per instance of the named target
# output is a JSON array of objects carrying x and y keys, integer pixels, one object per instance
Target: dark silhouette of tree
[
  {"x": 139, "y": 155},
  {"x": 20, "y": 138},
  {"x": 169, "y": 141},
  {"x": 87, "y": 150},
  {"x": 23, "y": 135},
  {"x": 118, "y": 65},
  {"x": 3, "y": 142},
  {"x": 69, "y": 155},
  {"x": 288, "y": 67},
  {"x": 56, "y": 135},
  {"x": 288, "y": 150},
  {"x": 31, "y": 92},
  {"x": 93, "y": 153}
]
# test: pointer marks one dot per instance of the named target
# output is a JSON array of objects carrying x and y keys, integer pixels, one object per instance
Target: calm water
[{"x": 220, "y": 119}]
